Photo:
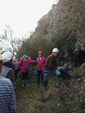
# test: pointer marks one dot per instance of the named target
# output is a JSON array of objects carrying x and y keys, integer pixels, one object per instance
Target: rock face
[{"x": 65, "y": 16}]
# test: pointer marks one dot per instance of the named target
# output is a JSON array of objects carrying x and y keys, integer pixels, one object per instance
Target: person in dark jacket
[
  {"x": 7, "y": 93},
  {"x": 7, "y": 69},
  {"x": 40, "y": 61},
  {"x": 65, "y": 75},
  {"x": 50, "y": 67}
]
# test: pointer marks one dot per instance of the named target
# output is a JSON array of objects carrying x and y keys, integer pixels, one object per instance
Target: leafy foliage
[
  {"x": 79, "y": 72},
  {"x": 62, "y": 99}
]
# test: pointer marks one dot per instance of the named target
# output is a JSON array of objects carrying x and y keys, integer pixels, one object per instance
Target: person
[
  {"x": 7, "y": 68},
  {"x": 7, "y": 93},
  {"x": 7, "y": 48},
  {"x": 40, "y": 61},
  {"x": 65, "y": 75},
  {"x": 25, "y": 68},
  {"x": 16, "y": 64},
  {"x": 50, "y": 68},
  {"x": 12, "y": 64}
]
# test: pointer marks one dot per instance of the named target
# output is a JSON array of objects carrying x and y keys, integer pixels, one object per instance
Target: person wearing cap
[
  {"x": 16, "y": 64},
  {"x": 50, "y": 68},
  {"x": 40, "y": 61},
  {"x": 7, "y": 93},
  {"x": 25, "y": 68},
  {"x": 7, "y": 68}
]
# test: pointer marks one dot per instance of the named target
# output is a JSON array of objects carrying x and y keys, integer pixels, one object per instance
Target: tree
[{"x": 10, "y": 39}]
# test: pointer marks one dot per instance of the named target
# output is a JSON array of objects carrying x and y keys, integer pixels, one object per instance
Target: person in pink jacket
[{"x": 25, "y": 68}]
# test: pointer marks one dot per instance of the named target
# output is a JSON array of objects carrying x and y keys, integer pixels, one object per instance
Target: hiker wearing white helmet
[
  {"x": 7, "y": 56},
  {"x": 55, "y": 50},
  {"x": 7, "y": 48},
  {"x": 7, "y": 93},
  {"x": 7, "y": 69},
  {"x": 50, "y": 67}
]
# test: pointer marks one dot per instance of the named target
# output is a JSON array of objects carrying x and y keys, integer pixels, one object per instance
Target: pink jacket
[{"x": 22, "y": 65}]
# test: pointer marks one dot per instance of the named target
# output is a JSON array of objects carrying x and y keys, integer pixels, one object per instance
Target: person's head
[
  {"x": 1, "y": 62},
  {"x": 8, "y": 56},
  {"x": 15, "y": 54},
  {"x": 55, "y": 52},
  {"x": 7, "y": 48},
  {"x": 24, "y": 57},
  {"x": 13, "y": 60},
  {"x": 40, "y": 53}
]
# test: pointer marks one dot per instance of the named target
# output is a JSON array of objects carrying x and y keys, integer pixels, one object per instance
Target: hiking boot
[
  {"x": 68, "y": 83},
  {"x": 38, "y": 86},
  {"x": 57, "y": 85},
  {"x": 26, "y": 83},
  {"x": 44, "y": 88},
  {"x": 22, "y": 83}
]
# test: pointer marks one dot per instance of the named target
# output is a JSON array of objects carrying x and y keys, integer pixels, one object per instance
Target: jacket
[
  {"x": 22, "y": 65},
  {"x": 40, "y": 63},
  {"x": 7, "y": 96},
  {"x": 51, "y": 62},
  {"x": 8, "y": 72}
]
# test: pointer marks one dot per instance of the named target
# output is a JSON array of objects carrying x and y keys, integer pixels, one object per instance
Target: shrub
[{"x": 78, "y": 72}]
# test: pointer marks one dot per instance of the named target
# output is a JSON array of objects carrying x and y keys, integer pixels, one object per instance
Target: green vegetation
[
  {"x": 54, "y": 100},
  {"x": 28, "y": 98},
  {"x": 79, "y": 72}
]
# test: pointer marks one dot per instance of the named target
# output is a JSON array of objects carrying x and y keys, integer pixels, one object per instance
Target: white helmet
[
  {"x": 55, "y": 50},
  {"x": 7, "y": 56},
  {"x": 7, "y": 48},
  {"x": 1, "y": 58},
  {"x": 15, "y": 54},
  {"x": 14, "y": 58}
]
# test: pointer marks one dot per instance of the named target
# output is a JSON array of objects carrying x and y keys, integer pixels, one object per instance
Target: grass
[
  {"x": 28, "y": 97},
  {"x": 55, "y": 100}
]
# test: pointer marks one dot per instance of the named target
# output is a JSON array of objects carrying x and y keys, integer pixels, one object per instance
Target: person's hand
[
  {"x": 33, "y": 61},
  {"x": 28, "y": 57},
  {"x": 21, "y": 57},
  {"x": 59, "y": 68}
]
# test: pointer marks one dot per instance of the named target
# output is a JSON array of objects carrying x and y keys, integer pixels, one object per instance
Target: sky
[{"x": 22, "y": 15}]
